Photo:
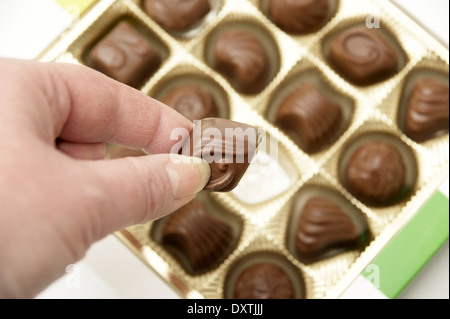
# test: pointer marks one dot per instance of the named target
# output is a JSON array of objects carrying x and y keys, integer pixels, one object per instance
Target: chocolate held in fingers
[{"x": 227, "y": 146}]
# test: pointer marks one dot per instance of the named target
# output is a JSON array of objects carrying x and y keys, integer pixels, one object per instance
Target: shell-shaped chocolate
[
  {"x": 263, "y": 281},
  {"x": 428, "y": 109},
  {"x": 177, "y": 15},
  {"x": 193, "y": 102},
  {"x": 376, "y": 173},
  {"x": 299, "y": 16},
  {"x": 364, "y": 55},
  {"x": 324, "y": 225},
  {"x": 240, "y": 56},
  {"x": 200, "y": 237},
  {"x": 228, "y": 147},
  {"x": 309, "y": 117}
]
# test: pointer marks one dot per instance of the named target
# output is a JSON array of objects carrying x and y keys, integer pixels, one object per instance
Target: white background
[{"x": 110, "y": 270}]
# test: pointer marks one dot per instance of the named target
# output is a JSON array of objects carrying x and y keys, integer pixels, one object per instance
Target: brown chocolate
[
  {"x": 324, "y": 225},
  {"x": 309, "y": 117},
  {"x": 299, "y": 16},
  {"x": 200, "y": 237},
  {"x": 428, "y": 112},
  {"x": 240, "y": 56},
  {"x": 125, "y": 55},
  {"x": 177, "y": 15},
  {"x": 227, "y": 146},
  {"x": 364, "y": 56},
  {"x": 193, "y": 102},
  {"x": 263, "y": 281},
  {"x": 376, "y": 173}
]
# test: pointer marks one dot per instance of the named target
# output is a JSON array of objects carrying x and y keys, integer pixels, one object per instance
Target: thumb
[{"x": 136, "y": 190}]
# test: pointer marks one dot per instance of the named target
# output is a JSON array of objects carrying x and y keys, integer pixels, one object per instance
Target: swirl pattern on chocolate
[
  {"x": 228, "y": 147},
  {"x": 240, "y": 56},
  {"x": 299, "y": 16},
  {"x": 428, "y": 109},
  {"x": 125, "y": 55},
  {"x": 177, "y": 15},
  {"x": 193, "y": 102},
  {"x": 201, "y": 238},
  {"x": 324, "y": 225},
  {"x": 376, "y": 173},
  {"x": 263, "y": 281},
  {"x": 309, "y": 117},
  {"x": 364, "y": 55}
]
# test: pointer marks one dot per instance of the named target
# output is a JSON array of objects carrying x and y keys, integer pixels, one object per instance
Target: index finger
[{"x": 85, "y": 106}]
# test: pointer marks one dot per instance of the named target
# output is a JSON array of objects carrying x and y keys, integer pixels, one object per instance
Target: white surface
[
  {"x": 361, "y": 284},
  {"x": 110, "y": 270},
  {"x": 43, "y": 19}
]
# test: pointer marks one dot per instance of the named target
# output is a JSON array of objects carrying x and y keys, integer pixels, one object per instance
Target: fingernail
[{"x": 187, "y": 175}]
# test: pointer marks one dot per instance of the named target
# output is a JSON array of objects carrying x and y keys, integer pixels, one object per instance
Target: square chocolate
[
  {"x": 125, "y": 55},
  {"x": 364, "y": 56}
]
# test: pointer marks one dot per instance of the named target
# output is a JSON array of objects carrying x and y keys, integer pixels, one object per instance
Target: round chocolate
[
  {"x": 263, "y": 281},
  {"x": 193, "y": 102},
  {"x": 177, "y": 15},
  {"x": 241, "y": 57},
  {"x": 299, "y": 16},
  {"x": 376, "y": 173}
]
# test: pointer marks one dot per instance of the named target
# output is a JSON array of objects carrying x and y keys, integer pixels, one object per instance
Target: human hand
[{"x": 57, "y": 199}]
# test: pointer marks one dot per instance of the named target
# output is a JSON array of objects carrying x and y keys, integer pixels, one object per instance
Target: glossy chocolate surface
[
  {"x": 299, "y": 16},
  {"x": 193, "y": 102},
  {"x": 125, "y": 55},
  {"x": 376, "y": 173},
  {"x": 324, "y": 225},
  {"x": 309, "y": 117},
  {"x": 240, "y": 56},
  {"x": 228, "y": 147},
  {"x": 200, "y": 237},
  {"x": 428, "y": 109},
  {"x": 177, "y": 15},
  {"x": 364, "y": 56},
  {"x": 263, "y": 281}
]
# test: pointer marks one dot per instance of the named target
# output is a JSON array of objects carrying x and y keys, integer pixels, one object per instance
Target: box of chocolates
[{"x": 354, "y": 116}]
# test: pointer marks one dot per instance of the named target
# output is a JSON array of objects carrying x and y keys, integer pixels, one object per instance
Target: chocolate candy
[
  {"x": 193, "y": 102},
  {"x": 240, "y": 56},
  {"x": 263, "y": 281},
  {"x": 299, "y": 16},
  {"x": 125, "y": 55},
  {"x": 364, "y": 56},
  {"x": 324, "y": 225},
  {"x": 176, "y": 15},
  {"x": 376, "y": 173},
  {"x": 201, "y": 238},
  {"x": 227, "y": 146},
  {"x": 428, "y": 112},
  {"x": 309, "y": 117}
]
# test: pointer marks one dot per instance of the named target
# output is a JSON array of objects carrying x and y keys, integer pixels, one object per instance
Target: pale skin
[{"x": 57, "y": 194}]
